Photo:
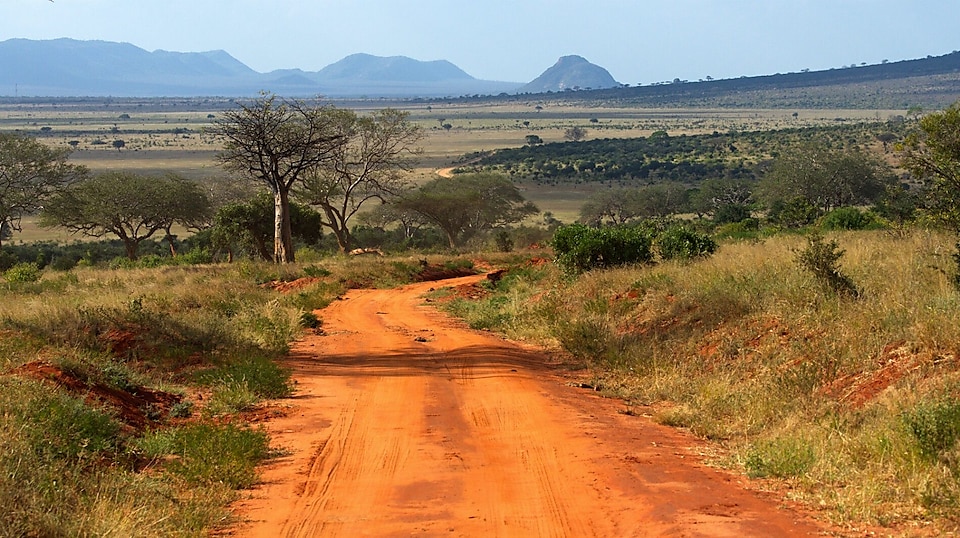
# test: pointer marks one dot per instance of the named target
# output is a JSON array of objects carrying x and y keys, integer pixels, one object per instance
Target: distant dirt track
[{"x": 406, "y": 423}]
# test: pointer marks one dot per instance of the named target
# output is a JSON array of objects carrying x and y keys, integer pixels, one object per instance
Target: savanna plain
[{"x": 137, "y": 397}]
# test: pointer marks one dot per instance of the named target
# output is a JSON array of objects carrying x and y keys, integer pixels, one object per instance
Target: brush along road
[{"x": 406, "y": 423}]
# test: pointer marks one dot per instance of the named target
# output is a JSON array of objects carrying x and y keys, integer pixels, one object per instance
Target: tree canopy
[
  {"x": 825, "y": 178},
  {"x": 467, "y": 204},
  {"x": 277, "y": 142},
  {"x": 622, "y": 205},
  {"x": 932, "y": 155},
  {"x": 29, "y": 173},
  {"x": 370, "y": 160},
  {"x": 132, "y": 207}
]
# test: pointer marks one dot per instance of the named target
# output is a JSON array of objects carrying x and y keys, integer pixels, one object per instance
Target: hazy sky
[{"x": 638, "y": 41}]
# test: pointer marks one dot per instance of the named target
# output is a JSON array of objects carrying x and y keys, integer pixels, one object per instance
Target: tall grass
[
  {"x": 71, "y": 468},
  {"x": 842, "y": 395}
]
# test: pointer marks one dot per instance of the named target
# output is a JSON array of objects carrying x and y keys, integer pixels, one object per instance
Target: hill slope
[{"x": 571, "y": 73}]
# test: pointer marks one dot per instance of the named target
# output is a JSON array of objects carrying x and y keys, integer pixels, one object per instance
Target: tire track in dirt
[{"x": 405, "y": 423}]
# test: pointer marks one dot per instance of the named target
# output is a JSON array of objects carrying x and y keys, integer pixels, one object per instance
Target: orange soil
[{"x": 406, "y": 423}]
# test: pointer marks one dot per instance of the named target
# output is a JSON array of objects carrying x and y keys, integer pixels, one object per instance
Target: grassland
[
  {"x": 163, "y": 136},
  {"x": 849, "y": 402}
]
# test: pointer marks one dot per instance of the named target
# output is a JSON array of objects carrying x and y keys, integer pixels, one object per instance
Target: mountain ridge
[{"x": 66, "y": 67}]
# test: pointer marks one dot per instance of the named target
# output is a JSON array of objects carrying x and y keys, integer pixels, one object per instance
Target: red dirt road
[{"x": 405, "y": 423}]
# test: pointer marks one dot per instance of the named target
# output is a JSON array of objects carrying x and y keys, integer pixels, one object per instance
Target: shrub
[
  {"x": 579, "y": 248},
  {"x": 22, "y": 272},
  {"x": 820, "y": 258},
  {"x": 793, "y": 214},
  {"x": 309, "y": 320},
  {"x": 731, "y": 213},
  {"x": 935, "y": 425},
  {"x": 677, "y": 242},
  {"x": 504, "y": 241},
  {"x": 848, "y": 218},
  {"x": 63, "y": 263}
]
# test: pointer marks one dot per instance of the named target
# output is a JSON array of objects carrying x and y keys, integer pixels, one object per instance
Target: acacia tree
[
  {"x": 370, "y": 162},
  {"x": 575, "y": 134},
  {"x": 619, "y": 206},
  {"x": 383, "y": 215},
  {"x": 276, "y": 142},
  {"x": 825, "y": 179},
  {"x": 932, "y": 155},
  {"x": 29, "y": 173},
  {"x": 467, "y": 204},
  {"x": 129, "y": 206},
  {"x": 610, "y": 206}
]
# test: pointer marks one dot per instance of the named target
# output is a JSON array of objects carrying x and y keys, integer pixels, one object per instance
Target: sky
[{"x": 637, "y": 41}]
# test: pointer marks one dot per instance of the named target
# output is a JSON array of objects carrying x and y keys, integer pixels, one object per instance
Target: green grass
[{"x": 206, "y": 454}]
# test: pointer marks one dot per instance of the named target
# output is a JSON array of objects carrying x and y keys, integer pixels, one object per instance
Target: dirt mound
[
  {"x": 137, "y": 409},
  {"x": 895, "y": 362}
]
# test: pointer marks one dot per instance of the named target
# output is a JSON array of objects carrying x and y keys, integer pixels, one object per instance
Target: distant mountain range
[
  {"x": 68, "y": 67},
  {"x": 72, "y": 68}
]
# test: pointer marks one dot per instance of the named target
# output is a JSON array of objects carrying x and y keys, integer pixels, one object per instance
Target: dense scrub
[
  {"x": 659, "y": 157},
  {"x": 851, "y": 399}
]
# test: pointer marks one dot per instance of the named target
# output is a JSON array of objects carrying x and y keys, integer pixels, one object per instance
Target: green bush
[
  {"x": 848, "y": 218},
  {"x": 935, "y": 426},
  {"x": 504, "y": 241},
  {"x": 820, "y": 258},
  {"x": 22, "y": 272},
  {"x": 793, "y": 214},
  {"x": 580, "y": 248},
  {"x": 731, "y": 213},
  {"x": 680, "y": 243}
]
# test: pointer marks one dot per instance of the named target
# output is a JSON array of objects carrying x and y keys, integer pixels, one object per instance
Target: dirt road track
[{"x": 405, "y": 423}]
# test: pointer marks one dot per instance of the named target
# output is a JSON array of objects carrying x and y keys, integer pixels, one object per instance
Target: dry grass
[{"x": 798, "y": 383}]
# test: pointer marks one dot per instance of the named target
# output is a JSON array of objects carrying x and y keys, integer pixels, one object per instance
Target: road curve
[{"x": 405, "y": 423}]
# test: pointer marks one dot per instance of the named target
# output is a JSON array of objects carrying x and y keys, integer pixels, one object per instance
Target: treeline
[{"x": 687, "y": 159}]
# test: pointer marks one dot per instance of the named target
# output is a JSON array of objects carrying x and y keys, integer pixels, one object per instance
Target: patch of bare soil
[
  {"x": 406, "y": 423},
  {"x": 137, "y": 409}
]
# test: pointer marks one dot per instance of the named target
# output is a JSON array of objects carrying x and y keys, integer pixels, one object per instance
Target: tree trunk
[
  {"x": 339, "y": 230},
  {"x": 170, "y": 240},
  {"x": 131, "y": 247},
  {"x": 282, "y": 236}
]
